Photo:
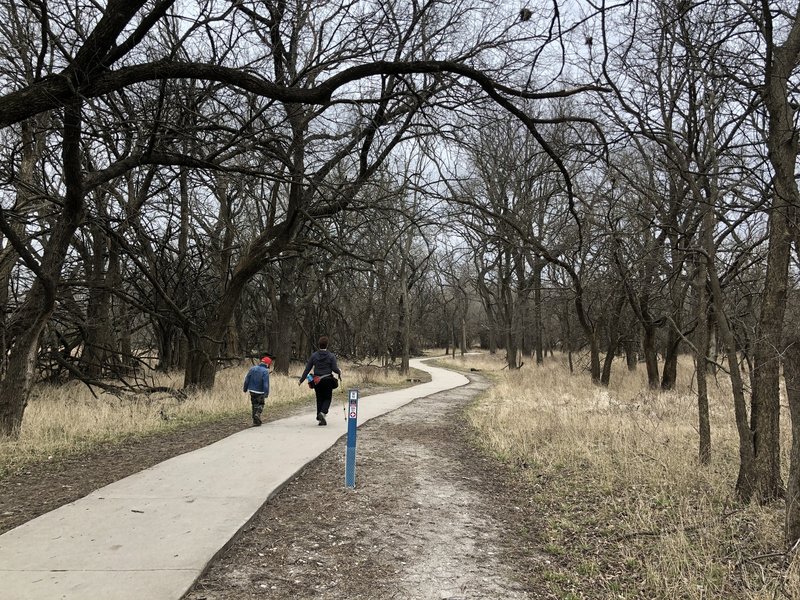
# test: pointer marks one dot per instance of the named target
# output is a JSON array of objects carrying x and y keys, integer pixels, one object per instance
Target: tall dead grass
[
  {"x": 636, "y": 450},
  {"x": 67, "y": 418}
]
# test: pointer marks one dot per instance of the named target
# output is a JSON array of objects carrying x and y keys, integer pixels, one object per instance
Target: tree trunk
[
  {"x": 509, "y": 308},
  {"x": 594, "y": 357},
  {"x": 669, "y": 374},
  {"x": 650, "y": 356},
  {"x": 201, "y": 361},
  {"x": 510, "y": 330},
  {"x": 568, "y": 343},
  {"x": 791, "y": 373},
  {"x": 40, "y": 301},
  {"x": 605, "y": 375},
  {"x": 630, "y": 354},
  {"x": 280, "y": 342},
  {"x": 537, "y": 311},
  {"x": 31, "y": 146},
  {"x": 405, "y": 324},
  {"x": 5, "y": 282},
  {"x": 126, "y": 339},
  {"x": 204, "y": 346},
  {"x": 168, "y": 339},
  {"x": 98, "y": 354},
  {"x": 765, "y": 399},
  {"x": 612, "y": 339},
  {"x": 744, "y": 482},
  {"x": 97, "y": 344},
  {"x": 713, "y": 342},
  {"x": 782, "y": 144},
  {"x": 15, "y": 388},
  {"x": 589, "y": 331},
  {"x": 701, "y": 352}
]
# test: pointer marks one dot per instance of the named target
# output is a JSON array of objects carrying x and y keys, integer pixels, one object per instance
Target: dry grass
[
  {"x": 66, "y": 419},
  {"x": 627, "y": 509},
  {"x": 623, "y": 508}
]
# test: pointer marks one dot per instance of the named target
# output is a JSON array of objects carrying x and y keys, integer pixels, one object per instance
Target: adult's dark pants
[{"x": 324, "y": 391}]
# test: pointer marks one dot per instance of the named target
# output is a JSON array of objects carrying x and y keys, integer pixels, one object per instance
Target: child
[{"x": 257, "y": 383}]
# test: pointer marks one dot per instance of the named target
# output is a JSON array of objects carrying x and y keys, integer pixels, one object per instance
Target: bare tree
[{"x": 373, "y": 92}]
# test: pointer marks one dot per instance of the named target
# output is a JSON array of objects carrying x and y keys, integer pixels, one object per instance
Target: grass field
[
  {"x": 622, "y": 507},
  {"x": 626, "y": 510}
]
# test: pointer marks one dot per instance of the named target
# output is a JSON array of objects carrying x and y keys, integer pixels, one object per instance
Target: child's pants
[{"x": 257, "y": 400}]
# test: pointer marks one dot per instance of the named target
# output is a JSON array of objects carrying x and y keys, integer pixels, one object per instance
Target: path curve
[
  {"x": 431, "y": 518},
  {"x": 152, "y": 534}
]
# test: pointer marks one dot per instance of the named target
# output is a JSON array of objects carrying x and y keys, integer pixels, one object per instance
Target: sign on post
[{"x": 352, "y": 428}]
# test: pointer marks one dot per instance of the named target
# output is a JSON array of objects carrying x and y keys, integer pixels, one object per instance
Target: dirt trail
[{"x": 426, "y": 520}]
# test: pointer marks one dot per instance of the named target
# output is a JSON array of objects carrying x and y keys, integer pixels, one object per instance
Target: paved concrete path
[{"x": 149, "y": 536}]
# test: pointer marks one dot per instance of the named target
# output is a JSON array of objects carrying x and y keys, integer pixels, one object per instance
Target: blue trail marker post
[{"x": 352, "y": 425}]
